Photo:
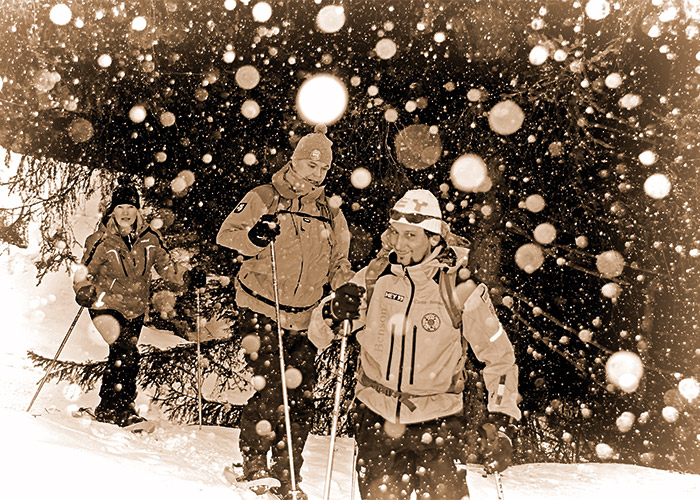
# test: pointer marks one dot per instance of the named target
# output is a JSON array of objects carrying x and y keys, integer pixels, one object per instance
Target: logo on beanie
[
  {"x": 430, "y": 322},
  {"x": 315, "y": 154}
]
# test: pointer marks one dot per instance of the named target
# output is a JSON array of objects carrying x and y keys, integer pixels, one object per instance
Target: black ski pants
[
  {"x": 267, "y": 405},
  {"x": 395, "y": 460},
  {"x": 118, "y": 391}
]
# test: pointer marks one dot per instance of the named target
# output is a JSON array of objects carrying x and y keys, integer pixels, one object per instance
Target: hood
[
  {"x": 281, "y": 181},
  {"x": 109, "y": 225},
  {"x": 452, "y": 255}
]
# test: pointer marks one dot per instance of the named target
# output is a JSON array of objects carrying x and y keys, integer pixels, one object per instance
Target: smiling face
[
  {"x": 313, "y": 171},
  {"x": 411, "y": 243},
  {"x": 125, "y": 216}
]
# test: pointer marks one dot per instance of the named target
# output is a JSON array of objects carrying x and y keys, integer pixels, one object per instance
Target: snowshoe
[
  {"x": 258, "y": 481},
  {"x": 128, "y": 420}
]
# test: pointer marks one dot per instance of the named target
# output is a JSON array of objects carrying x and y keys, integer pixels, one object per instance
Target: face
[
  {"x": 314, "y": 171},
  {"x": 411, "y": 244},
  {"x": 125, "y": 215}
]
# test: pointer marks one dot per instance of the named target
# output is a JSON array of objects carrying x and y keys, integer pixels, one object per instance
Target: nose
[{"x": 400, "y": 242}]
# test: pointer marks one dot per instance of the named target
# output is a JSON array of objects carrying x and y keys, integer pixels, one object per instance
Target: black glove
[
  {"x": 346, "y": 303},
  {"x": 264, "y": 231},
  {"x": 86, "y": 296},
  {"x": 196, "y": 277},
  {"x": 495, "y": 442}
]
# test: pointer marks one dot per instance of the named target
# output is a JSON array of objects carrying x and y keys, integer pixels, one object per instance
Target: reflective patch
[
  {"x": 430, "y": 322},
  {"x": 239, "y": 208},
  {"x": 394, "y": 296},
  {"x": 486, "y": 299},
  {"x": 315, "y": 154}
]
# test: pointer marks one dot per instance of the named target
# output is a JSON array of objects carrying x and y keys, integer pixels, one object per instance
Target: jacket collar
[
  {"x": 111, "y": 228},
  {"x": 449, "y": 259},
  {"x": 285, "y": 189}
]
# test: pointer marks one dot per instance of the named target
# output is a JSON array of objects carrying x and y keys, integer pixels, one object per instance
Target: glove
[
  {"x": 495, "y": 444},
  {"x": 264, "y": 231},
  {"x": 346, "y": 303},
  {"x": 196, "y": 277},
  {"x": 86, "y": 296}
]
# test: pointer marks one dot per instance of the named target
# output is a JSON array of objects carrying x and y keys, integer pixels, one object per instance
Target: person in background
[
  {"x": 312, "y": 242},
  {"x": 414, "y": 311},
  {"x": 114, "y": 283}
]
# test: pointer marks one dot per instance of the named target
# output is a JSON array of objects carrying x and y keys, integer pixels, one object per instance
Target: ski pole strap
[
  {"x": 403, "y": 397},
  {"x": 265, "y": 300}
]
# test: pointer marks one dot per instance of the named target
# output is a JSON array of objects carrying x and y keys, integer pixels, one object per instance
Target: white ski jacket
[{"x": 411, "y": 356}]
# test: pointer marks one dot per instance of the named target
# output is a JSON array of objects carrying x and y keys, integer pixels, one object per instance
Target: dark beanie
[{"x": 124, "y": 194}]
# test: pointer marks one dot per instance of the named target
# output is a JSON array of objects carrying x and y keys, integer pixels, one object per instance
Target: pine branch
[{"x": 85, "y": 375}]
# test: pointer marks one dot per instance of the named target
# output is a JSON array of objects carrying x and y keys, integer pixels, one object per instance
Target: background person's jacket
[
  {"x": 121, "y": 273},
  {"x": 311, "y": 250}
]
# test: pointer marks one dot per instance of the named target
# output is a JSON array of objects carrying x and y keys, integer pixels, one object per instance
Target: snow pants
[
  {"x": 118, "y": 391},
  {"x": 266, "y": 405},
  {"x": 394, "y": 460}
]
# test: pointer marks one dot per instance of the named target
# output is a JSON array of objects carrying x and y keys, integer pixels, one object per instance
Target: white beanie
[{"x": 421, "y": 202}]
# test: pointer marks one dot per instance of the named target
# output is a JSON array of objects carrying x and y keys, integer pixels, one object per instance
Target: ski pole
[
  {"x": 58, "y": 353},
  {"x": 199, "y": 364},
  {"x": 353, "y": 471},
  {"x": 285, "y": 398},
  {"x": 499, "y": 485},
  {"x": 336, "y": 408}
]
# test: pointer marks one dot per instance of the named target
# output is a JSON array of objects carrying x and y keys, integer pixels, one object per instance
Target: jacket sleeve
[
  {"x": 320, "y": 332},
  {"x": 165, "y": 265},
  {"x": 340, "y": 269},
  {"x": 91, "y": 261},
  {"x": 488, "y": 340},
  {"x": 234, "y": 231}
]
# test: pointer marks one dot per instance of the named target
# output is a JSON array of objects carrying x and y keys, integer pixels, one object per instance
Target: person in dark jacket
[
  {"x": 312, "y": 242},
  {"x": 414, "y": 311},
  {"x": 114, "y": 284}
]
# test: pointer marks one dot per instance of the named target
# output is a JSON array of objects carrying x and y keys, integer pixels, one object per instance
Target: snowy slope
[
  {"x": 52, "y": 454},
  {"x": 49, "y": 454}
]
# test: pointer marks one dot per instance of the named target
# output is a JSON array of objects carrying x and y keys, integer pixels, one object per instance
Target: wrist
[{"x": 327, "y": 313}]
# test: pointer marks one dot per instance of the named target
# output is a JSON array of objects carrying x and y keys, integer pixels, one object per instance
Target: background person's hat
[
  {"x": 124, "y": 194},
  {"x": 315, "y": 146}
]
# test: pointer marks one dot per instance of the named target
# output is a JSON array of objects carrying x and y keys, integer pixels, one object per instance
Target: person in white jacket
[{"x": 415, "y": 311}]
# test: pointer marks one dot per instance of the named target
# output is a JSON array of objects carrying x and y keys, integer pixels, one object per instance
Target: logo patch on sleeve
[
  {"x": 430, "y": 322},
  {"x": 394, "y": 296},
  {"x": 239, "y": 208}
]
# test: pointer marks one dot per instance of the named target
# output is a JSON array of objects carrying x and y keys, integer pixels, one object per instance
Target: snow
[{"x": 48, "y": 453}]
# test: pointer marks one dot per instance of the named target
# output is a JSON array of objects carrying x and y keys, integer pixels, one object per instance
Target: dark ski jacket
[{"x": 122, "y": 275}]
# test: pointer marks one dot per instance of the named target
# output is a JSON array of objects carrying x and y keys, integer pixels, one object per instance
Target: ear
[{"x": 434, "y": 240}]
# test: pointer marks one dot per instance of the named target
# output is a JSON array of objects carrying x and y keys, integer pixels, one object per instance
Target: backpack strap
[
  {"x": 270, "y": 196},
  {"x": 447, "y": 283}
]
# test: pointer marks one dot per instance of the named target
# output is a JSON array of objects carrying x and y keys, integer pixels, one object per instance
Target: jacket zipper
[
  {"x": 403, "y": 342},
  {"x": 391, "y": 352},
  {"x": 413, "y": 354},
  {"x": 296, "y": 230}
]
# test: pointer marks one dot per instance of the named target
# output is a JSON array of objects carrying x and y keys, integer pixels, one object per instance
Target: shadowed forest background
[{"x": 580, "y": 119}]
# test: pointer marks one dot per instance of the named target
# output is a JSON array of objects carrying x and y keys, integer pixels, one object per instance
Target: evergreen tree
[{"x": 584, "y": 225}]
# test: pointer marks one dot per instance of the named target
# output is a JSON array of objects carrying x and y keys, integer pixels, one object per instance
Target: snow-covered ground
[{"x": 48, "y": 454}]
